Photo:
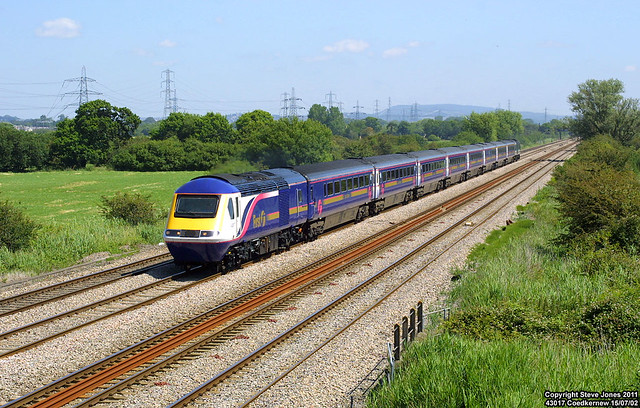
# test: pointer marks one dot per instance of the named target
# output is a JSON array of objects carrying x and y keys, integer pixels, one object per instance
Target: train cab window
[
  {"x": 349, "y": 184},
  {"x": 196, "y": 206},
  {"x": 232, "y": 214}
]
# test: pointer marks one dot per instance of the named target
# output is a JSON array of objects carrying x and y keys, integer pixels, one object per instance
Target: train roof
[
  {"x": 254, "y": 182},
  {"x": 207, "y": 185},
  {"x": 319, "y": 171},
  {"x": 453, "y": 150},
  {"x": 427, "y": 154},
  {"x": 386, "y": 160}
]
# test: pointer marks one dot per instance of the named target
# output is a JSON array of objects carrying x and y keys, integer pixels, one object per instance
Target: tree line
[{"x": 101, "y": 134}]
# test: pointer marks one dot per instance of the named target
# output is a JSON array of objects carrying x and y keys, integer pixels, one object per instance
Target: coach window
[
  {"x": 336, "y": 187},
  {"x": 329, "y": 187},
  {"x": 343, "y": 185},
  {"x": 349, "y": 184}
]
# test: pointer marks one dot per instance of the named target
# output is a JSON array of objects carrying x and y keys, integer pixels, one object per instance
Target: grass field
[
  {"x": 67, "y": 206},
  {"x": 63, "y": 196}
]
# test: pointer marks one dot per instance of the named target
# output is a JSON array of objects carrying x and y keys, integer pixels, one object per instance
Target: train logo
[{"x": 259, "y": 220}]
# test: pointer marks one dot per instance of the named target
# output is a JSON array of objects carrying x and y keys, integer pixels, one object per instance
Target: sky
[{"x": 237, "y": 56}]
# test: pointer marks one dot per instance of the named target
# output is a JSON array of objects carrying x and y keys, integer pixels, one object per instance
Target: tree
[
  {"x": 289, "y": 142},
  {"x": 332, "y": 118},
  {"x": 319, "y": 113},
  {"x": 103, "y": 128},
  {"x": 601, "y": 109},
  {"x": 213, "y": 127},
  {"x": 66, "y": 150},
  {"x": 251, "y": 122},
  {"x": 509, "y": 124},
  {"x": 96, "y": 132},
  {"x": 20, "y": 150},
  {"x": 484, "y": 125},
  {"x": 178, "y": 124}
]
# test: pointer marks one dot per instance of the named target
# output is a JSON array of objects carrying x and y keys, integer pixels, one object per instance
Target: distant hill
[{"x": 412, "y": 113}]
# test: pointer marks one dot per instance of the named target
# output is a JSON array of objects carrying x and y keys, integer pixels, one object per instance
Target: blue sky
[{"x": 237, "y": 56}]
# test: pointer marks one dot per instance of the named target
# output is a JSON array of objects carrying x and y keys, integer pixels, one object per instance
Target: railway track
[
  {"x": 58, "y": 291},
  {"x": 31, "y": 335},
  {"x": 150, "y": 355}
]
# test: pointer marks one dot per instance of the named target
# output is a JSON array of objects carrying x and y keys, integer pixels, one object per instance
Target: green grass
[
  {"x": 453, "y": 371},
  {"x": 66, "y": 196},
  {"x": 528, "y": 317},
  {"x": 67, "y": 206}
]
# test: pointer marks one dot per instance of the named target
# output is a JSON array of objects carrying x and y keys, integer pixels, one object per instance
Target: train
[{"x": 225, "y": 220}]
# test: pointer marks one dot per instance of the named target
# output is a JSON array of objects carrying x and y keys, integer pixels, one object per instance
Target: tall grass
[
  {"x": 61, "y": 245},
  {"x": 453, "y": 371}
]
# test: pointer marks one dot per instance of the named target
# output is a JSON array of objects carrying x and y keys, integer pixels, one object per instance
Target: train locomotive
[{"x": 224, "y": 220}]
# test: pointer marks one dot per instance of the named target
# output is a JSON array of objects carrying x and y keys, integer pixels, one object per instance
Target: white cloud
[
  {"x": 59, "y": 28},
  {"x": 414, "y": 44},
  {"x": 394, "y": 52},
  {"x": 168, "y": 44},
  {"x": 348, "y": 45},
  {"x": 630, "y": 68}
]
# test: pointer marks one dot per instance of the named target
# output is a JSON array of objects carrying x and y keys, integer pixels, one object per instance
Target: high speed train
[{"x": 227, "y": 219}]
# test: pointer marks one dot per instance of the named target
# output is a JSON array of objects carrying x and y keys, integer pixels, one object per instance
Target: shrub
[
  {"x": 614, "y": 319},
  {"x": 490, "y": 323},
  {"x": 16, "y": 229},
  {"x": 133, "y": 208}
]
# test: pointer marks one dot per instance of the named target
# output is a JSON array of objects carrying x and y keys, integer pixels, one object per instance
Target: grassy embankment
[
  {"x": 528, "y": 319},
  {"x": 66, "y": 204}
]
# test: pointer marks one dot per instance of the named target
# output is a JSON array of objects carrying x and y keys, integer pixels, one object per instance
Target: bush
[
  {"x": 16, "y": 230},
  {"x": 505, "y": 321},
  {"x": 133, "y": 208},
  {"x": 614, "y": 319}
]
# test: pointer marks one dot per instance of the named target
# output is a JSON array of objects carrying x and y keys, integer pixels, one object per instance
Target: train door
[
  {"x": 296, "y": 204},
  {"x": 377, "y": 180},
  {"x": 232, "y": 215}
]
